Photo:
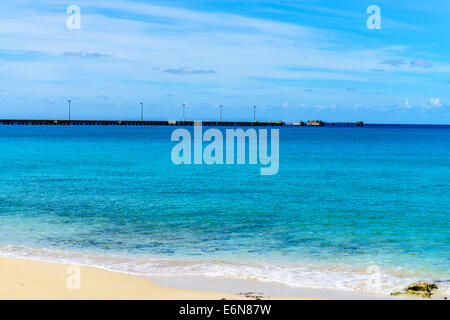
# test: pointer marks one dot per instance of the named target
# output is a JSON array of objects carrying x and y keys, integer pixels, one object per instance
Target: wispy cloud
[
  {"x": 435, "y": 102},
  {"x": 420, "y": 63},
  {"x": 186, "y": 70},
  {"x": 394, "y": 62},
  {"x": 402, "y": 62},
  {"x": 432, "y": 104},
  {"x": 87, "y": 55},
  {"x": 407, "y": 104}
]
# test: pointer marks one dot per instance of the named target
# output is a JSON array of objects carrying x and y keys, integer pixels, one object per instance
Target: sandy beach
[
  {"x": 26, "y": 279},
  {"x": 30, "y": 279}
]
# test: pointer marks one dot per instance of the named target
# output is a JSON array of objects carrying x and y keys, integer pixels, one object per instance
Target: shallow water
[{"x": 344, "y": 200}]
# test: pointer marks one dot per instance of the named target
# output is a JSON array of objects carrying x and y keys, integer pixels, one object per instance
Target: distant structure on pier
[
  {"x": 316, "y": 123},
  {"x": 348, "y": 124},
  {"x": 299, "y": 123}
]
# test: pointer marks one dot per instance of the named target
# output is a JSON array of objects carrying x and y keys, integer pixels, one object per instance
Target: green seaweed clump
[{"x": 421, "y": 289}]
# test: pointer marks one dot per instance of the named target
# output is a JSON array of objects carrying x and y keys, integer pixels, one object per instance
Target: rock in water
[{"x": 421, "y": 289}]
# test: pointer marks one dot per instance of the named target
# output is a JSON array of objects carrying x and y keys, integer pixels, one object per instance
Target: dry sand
[
  {"x": 30, "y": 279},
  {"x": 24, "y": 279}
]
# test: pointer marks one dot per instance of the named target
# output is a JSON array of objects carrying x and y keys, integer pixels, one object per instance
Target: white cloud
[
  {"x": 435, "y": 102},
  {"x": 236, "y": 44},
  {"x": 406, "y": 104}
]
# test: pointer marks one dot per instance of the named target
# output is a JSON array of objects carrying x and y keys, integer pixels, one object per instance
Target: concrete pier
[
  {"x": 348, "y": 124},
  {"x": 37, "y": 122},
  {"x": 134, "y": 123}
]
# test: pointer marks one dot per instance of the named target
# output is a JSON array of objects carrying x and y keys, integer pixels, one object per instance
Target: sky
[{"x": 294, "y": 60}]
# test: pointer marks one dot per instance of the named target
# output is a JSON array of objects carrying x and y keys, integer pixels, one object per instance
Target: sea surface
[{"x": 365, "y": 209}]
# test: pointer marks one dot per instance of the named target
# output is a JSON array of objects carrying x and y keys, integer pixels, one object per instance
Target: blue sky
[{"x": 295, "y": 60}]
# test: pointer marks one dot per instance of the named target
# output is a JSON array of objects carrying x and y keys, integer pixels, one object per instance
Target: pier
[
  {"x": 348, "y": 124},
  {"x": 36, "y": 122},
  {"x": 135, "y": 123},
  {"x": 320, "y": 123}
]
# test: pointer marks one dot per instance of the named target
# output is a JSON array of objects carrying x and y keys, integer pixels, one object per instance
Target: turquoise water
[{"x": 344, "y": 199}]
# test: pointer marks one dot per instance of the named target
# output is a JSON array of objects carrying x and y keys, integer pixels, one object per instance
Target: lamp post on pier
[{"x": 69, "y": 102}]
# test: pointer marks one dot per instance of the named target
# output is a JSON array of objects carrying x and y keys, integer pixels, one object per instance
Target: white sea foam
[{"x": 372, "y": 280}]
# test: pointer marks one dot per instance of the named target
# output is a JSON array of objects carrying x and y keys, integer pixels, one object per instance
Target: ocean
[{"x": 348, "y": 205}]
